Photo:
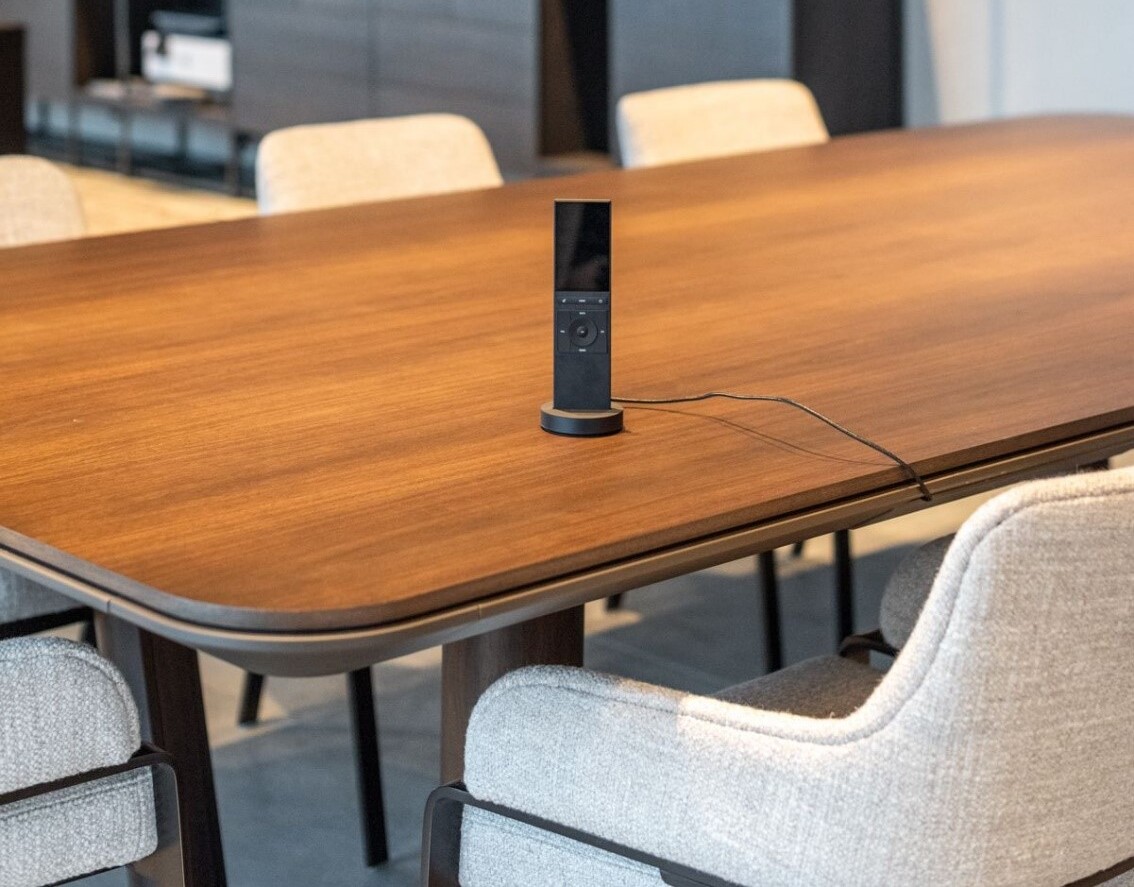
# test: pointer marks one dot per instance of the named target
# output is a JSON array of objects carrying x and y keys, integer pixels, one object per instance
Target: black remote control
[{"x": 582, "y": 305}]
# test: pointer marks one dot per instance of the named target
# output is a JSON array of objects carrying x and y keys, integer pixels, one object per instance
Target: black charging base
[{"x": 580, "y": 423}]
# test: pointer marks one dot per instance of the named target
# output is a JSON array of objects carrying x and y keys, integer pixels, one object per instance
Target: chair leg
[
  {"x": 614, "y": 602},
  {"x": 250, "y": 699},
  {"x": 797, "y": 548},
  {"x": 364, "y": 723},
  {"x": 844, "y": 585},
  {"x": 770, "y": 588}
]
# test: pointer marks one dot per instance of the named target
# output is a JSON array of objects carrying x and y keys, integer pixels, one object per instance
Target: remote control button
[{"x": 583, "y": 332}]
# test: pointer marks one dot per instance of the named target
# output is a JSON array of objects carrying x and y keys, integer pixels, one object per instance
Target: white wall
[{"x": 976, "y": 59}]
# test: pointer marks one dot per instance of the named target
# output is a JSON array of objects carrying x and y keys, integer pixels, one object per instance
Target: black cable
[{"x": 773, "y": 398}]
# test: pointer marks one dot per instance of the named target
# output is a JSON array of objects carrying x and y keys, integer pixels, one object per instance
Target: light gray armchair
[
  {"x": 76, "y": 787},
  {"x": 997, "y": 750}
]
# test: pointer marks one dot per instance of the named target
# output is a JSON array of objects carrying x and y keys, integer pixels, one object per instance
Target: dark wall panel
[
  {"x": 299, "y": 61},
  {"x": 573, "y": 76},
  {"x": 850, "y": 54},
  {"x": 12, "y": 135},
  {"x": 67, "y": 43},
  {"x": 670, "y": 42}
]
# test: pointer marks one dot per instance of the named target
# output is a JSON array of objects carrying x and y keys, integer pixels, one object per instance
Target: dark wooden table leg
[
  {"x": 167, "y": 687},
  {"x": 468, "y": 667}
]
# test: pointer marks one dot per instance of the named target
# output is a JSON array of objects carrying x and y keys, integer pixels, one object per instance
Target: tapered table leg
[
  {"x": 468, "y": 668},
  {"x": 166, "y": 683}
]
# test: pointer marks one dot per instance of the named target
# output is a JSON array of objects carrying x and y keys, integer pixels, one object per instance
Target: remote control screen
[{"x": 582, "y": 245}]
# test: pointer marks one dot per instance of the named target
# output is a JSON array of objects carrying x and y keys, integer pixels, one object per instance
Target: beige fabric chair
[
  {"x": 38, "y": 203},
  {"x": 997, "y": 750},
  {"x": 337, "y": 164},
  {"x": 705, "y": 120}
]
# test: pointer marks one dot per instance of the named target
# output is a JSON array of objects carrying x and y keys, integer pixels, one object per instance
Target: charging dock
[{"x": 580, "y": 423}]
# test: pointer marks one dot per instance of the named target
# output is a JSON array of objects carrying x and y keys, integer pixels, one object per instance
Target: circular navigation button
[{"x": 583, "y": 332}]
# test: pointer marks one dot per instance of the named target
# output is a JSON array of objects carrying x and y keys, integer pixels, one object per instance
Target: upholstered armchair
[
  {"x": 77, "y": 787},
  {"x": 997, "y": 749}
]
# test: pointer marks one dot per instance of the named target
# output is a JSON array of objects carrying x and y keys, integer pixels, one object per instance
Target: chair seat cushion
[{"x": 824, "y": 687}]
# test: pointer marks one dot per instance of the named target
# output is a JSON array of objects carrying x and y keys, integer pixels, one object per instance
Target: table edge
[{"x": 309, "y": 653}]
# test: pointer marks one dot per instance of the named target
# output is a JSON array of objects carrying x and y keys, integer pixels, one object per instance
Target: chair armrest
[{"x": 717, "y": 787}]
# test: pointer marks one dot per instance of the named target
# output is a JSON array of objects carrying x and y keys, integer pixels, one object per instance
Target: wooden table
[{"x": 307, "y": 443}]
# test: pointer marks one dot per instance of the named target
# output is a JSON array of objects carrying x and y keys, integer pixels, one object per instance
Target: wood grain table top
[{"x": 330, "y": 420}]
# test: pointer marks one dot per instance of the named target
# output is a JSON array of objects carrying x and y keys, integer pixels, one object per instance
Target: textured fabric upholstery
[
  {"x": 38, "y": 203},
  {"x": 20, "y": 598},
  {"x": 908, "y": 589},
  {"x": 337, "y": 164},
  {"x": 825, "y": 687},
  {"x": 65, "y": 710},
  {"x": 705, "y": 120},
  {"x": 997, "y": 750}
]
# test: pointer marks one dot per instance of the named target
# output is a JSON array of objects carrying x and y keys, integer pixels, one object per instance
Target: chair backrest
[
  {"x": 337, "y": 164},
  {"x": 706, "y": 120},
  {"x": 1001, "y": 742},
  {"x": 38, "y": 203}
]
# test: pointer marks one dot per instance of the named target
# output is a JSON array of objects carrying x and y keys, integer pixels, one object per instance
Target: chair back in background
[
  {"x": 362, "y": 161},
  {"x": 38, "y": 202},
  {"x": 704, "y": 120}
]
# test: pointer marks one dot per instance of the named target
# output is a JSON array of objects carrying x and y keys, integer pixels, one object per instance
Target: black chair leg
[
  {"x": 250, "y": 699},
  {"x": 844, "y": 585},
  {"x": 770, "y": 589},
  {"x": 614, "y": 602},
  {"x": 88, "y": 635},
  {"x": 364, "y": 723},
  {"x": 797, "y": 548}
]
